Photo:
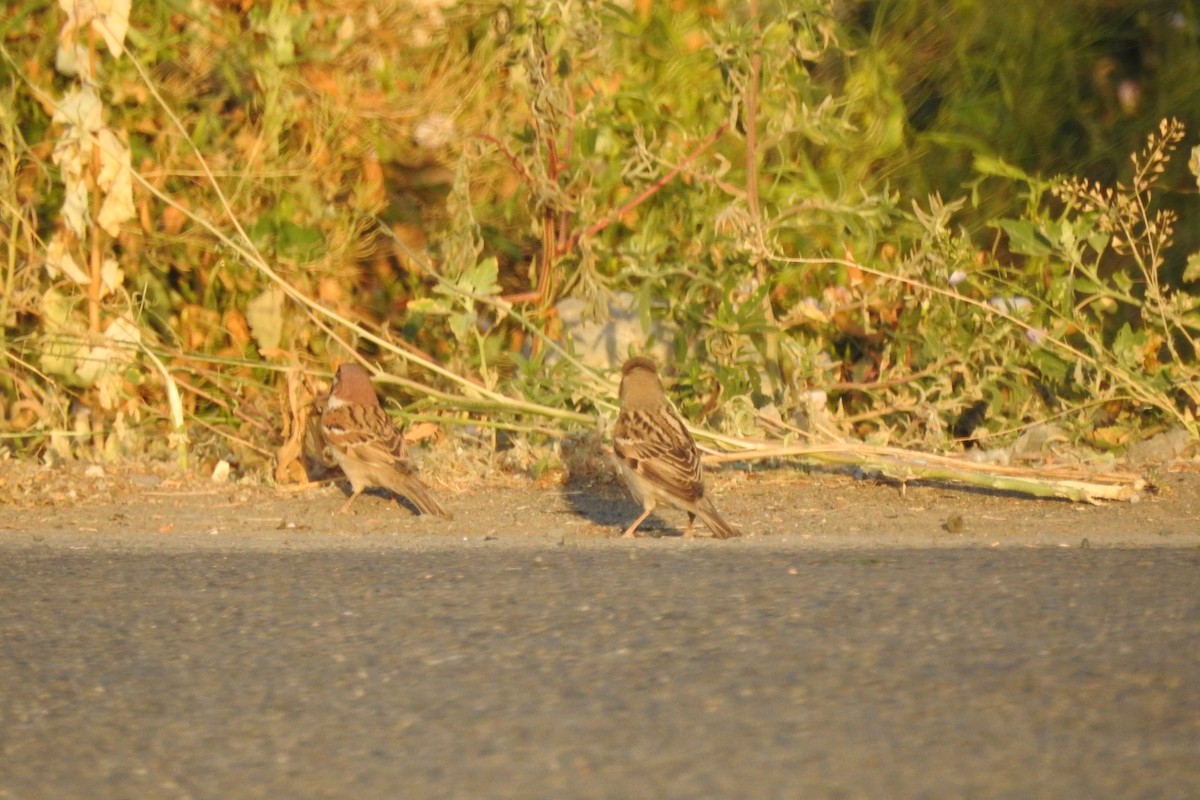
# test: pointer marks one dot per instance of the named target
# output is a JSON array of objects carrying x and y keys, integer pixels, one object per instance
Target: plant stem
[
  {"x": 771, "y": 337},
  {"x": 905, "y": 465},
  {"x": 97, "y": 253}
]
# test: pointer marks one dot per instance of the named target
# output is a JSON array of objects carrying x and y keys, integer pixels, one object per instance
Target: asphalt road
[{"x": 656, "y": 672}]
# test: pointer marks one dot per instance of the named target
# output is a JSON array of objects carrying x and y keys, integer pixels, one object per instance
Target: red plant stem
[
  {"x": 545, "y": 286},
  {"x": 541, "y": 291},
  {"x": 646, "y": 193},
  {"x": 751, "y": 120},
  {"x": 512, "y": 159}
]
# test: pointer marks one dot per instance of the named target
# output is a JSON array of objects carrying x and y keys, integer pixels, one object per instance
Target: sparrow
[
  {"x": 366, "y": 445},
  {"x": 657, "y": 455}
]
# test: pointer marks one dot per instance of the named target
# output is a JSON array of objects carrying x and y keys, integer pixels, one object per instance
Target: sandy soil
[{"x": 149, "y": 506}]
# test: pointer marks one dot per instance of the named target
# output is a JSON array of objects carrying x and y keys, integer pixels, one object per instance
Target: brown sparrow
[
  {"x": 657, "y": 455},
  {"x": 366, "y": 445}
]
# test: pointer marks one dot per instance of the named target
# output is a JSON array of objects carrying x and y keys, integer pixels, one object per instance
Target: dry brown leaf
[
  {"x": 173, "y": 219},
  {"x": 289, "y": 465},
  {"x": 116, "y": 180},
  {"x": 330, "y": 291},
  {"x": 237, "y": 327},
  {"x": 419, "y": 431},
  {"x": 265, "y": 316}
]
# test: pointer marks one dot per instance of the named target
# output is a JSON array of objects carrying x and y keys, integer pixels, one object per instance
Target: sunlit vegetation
[{"x": 839, "y": 219}]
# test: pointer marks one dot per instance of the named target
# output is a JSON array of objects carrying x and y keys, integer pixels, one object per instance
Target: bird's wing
[
  {"x": 657, "y": 446},
  {"x": 366, "y": 433}
]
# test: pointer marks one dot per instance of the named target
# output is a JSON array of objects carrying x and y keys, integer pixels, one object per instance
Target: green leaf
[
  {"x": 1067, "y": 237},
  {"x": 428, "y": 305},
  {"x": 1192, "y": 271},
  {"x": 1024, "y": 237},
  {"x": 1049, "y": 365},
  {"x": 1123, "y": 281},
  {"x": 461, "y": 324},
  {"x": 990, "y": 165},
  {"x": 482, "y": 279},
  {"x": 1098, "y": 240},
  {"x": 1127, "y": 346},
  {"x": 298, "y": 241}
]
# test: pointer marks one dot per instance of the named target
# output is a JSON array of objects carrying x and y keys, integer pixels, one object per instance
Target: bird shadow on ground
[
  {"x": 607, "y": 505},
  {"x": 378, "y": 494}
]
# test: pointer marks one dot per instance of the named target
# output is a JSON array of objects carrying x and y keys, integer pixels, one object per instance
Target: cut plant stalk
[{"x": 1076, "y": 485}]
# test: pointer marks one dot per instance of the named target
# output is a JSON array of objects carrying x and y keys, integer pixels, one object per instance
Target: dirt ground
[{"x": 152, "y": 506}]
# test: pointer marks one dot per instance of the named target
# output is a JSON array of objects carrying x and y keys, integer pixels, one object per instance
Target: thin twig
[{"x": 648, "y": 192}]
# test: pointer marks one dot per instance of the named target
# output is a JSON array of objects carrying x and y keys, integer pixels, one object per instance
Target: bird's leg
[
  {"x": 354, "y": 493},
  {"x": 688, "y": 532},
  {"x": 628, "y": 534}
]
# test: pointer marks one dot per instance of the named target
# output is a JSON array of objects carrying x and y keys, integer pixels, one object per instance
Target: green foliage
[{"x": 423, "y": 188}]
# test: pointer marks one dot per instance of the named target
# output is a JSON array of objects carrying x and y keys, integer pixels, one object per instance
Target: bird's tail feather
[
  {"x": 716, "y": 523},
  {"x": 423, "y": 499}
]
